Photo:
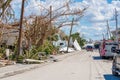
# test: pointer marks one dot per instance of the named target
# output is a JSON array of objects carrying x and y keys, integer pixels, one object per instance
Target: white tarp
[
  {"x": 60, "y": 43},
  {"x": 76, "y": 45},
  {"x": 64, "y": 49}
]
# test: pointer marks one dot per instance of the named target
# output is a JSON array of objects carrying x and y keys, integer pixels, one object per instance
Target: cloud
[
  {"x": 39, "y": 6},
  {"x": 99, "y": 10},
  {"x": 16, "y": 5},
  {"x": 94, "y": 20}
]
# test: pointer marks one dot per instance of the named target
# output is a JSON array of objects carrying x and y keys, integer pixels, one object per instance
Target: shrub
[
  {"x": 47, "y": 47},
  {"x": 2, "y": 52}
]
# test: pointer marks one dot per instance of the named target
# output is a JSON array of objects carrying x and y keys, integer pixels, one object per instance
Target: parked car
[
  {"x": 89, "y": 48},
  {"x": 116, "y": 63}
]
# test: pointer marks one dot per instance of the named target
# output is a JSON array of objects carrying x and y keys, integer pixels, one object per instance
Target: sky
[{"x": 91, "y": 26}]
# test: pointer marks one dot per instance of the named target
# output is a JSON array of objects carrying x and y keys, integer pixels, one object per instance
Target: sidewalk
[{"x": 20, "y": 68}]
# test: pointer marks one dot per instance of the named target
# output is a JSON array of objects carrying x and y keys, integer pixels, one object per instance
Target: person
[
  {"x": 7, "y": 53},
  {"x": 24, "y": 46}
]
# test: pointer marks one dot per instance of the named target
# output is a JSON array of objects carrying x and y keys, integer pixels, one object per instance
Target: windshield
[{"x": 89, "y": 47}]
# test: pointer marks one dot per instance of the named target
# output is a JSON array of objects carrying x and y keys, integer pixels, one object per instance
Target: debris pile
[{"x": 6, "y": 62}]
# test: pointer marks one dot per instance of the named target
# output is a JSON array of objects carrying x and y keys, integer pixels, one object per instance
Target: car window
[
  {"x": 89, "y": 46},
  {"x": 111, "y": 44}
]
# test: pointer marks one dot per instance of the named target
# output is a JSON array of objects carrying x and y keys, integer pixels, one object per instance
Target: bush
[
  {"x": 47, "y": 47},
  {"x": 27, "y": 54},
  {"x": 32, "y": 53},
  {"x": 2, "y": 53},
  {"x": 2, "y": 50}
]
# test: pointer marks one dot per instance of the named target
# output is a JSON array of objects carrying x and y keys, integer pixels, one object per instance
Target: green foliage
[
  {"x": 2, "y": 52},
  {"x": 32, "y": 54},
  {"x": 46, "y": 47},
  {"x": 29, "y": 54},
  {"x": 65, "y": 37},
  {"x": 112, "y": 38},
  {"x": 20, "y": 59},
  {"x": 53, "y": 38},
  {"x": 75, "y": 36},
  {"x": 13, "y": 56},
  {"x": 1, "y": 55},
  {"x": 80, "y": 40}
]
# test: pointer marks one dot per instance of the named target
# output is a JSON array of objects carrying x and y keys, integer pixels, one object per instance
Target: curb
[
  {"x": 22, "y": 70},
  {"x": 29, "y": 68}
]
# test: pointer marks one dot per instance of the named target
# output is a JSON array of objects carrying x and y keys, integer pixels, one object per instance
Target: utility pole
[
  {"x": 70, "y": 34},
  {"x": 50, "y": 16},
  {"x": 108, "y": 30},
  {"x": 20, "y": 30},
  {"x": 116, "y": 25},
  {"x": 50, "y": 27},
  {"x": 103, "y": 36}
]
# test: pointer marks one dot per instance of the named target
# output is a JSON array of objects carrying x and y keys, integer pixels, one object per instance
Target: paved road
[{"x": 80, "y": 66}]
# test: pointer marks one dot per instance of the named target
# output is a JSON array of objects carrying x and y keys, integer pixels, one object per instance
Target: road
[{"x": 80, "y": 66}]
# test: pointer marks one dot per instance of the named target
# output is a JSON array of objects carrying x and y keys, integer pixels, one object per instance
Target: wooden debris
[
  {"x": 6, "y": 62},
  {"x": 32, "y": 61}
]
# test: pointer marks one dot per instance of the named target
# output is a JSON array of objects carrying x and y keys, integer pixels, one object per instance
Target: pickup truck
[{"x": 116, "y": 64}]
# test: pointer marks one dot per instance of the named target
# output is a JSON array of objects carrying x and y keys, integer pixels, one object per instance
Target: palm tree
[{"x": 80, "y": 40}]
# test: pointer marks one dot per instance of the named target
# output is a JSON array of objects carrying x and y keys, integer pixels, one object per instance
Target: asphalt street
[{"x": 80, "y": 66}]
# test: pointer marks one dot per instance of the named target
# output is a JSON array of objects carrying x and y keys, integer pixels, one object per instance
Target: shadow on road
[
  {"x": 111, "y": 77},
  {"x": 97, "y": 58}
]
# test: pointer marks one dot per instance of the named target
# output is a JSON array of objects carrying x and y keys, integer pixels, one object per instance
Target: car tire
[
  {"x": 103, "y": 57},
  {"x": 114, "y": 67},
  {"x": 114, "y": 73}
]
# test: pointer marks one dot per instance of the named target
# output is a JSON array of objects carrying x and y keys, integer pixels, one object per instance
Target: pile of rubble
[{"x": 6, "y": 62}]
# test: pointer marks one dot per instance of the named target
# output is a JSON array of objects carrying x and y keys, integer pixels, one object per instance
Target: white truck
[
  {"x": 109, "y": 46},
  {"x": 106, "y": 49}
]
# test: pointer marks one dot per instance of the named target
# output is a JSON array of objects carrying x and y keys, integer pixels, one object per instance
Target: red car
[{"x": 89, "y": 48}]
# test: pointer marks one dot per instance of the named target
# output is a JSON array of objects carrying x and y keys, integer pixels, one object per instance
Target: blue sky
[
  {"x": 94, "y": 28},
  {"x": 92, "y": 25},
  {"x": 109, "y": 1}
]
